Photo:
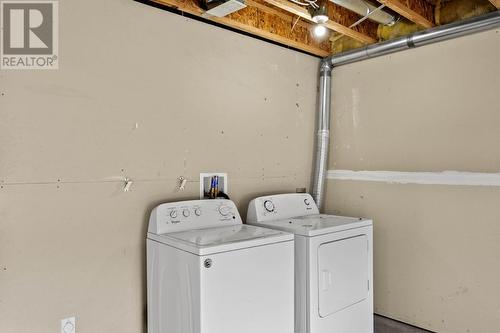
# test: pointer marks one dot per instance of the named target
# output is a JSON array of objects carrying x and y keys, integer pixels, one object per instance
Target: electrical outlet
[{"x": 68, "y": 325}]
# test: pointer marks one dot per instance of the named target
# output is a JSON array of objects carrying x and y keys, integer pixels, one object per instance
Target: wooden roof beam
[
  {"x": 496, "y": 3},
  {"x": 250, "y": 20},
  {"x": 332, "y": 25},
  {"x": 422, "y": 14}
]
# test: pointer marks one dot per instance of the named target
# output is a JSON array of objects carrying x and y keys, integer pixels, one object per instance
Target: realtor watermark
[{"x": 30, "y": 34}]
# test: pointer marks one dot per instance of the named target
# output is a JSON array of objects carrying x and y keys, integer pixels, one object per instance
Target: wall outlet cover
[{"x": 68, "y": 325}]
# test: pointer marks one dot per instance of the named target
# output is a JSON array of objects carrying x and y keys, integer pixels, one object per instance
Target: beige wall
[
  {"x": 430, "y": 109},
  {"x": 145, "y": 94}
]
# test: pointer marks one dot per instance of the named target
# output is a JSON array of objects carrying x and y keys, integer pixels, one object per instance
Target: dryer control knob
[
  {"x": 269, "y": 206},
  {"x": 306, "y": 201},
  {"x": 197, "y": 212},
  {"x": 185, "y": 213},
  {"x": 224, "y": 210},
  {"x": 173, "y": 214}
]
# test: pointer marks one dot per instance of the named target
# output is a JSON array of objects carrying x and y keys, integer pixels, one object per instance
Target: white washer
[
  {"x": 207, "y": 272},
  {"x": 333, "y": 263}
]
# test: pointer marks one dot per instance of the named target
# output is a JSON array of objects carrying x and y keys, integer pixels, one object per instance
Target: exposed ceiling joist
[
  {"x": 263, "y": 21},
  {"x": 290, "y": 24},
  {"x": 331, "y": 24},
  {"x": 496, "y": 3},
  {"x": 421, "y": 14}
]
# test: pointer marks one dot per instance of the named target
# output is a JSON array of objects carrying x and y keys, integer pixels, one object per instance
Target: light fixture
[
  {"x": 319, "y": 15},
  {"x": 319, "y": 30},
  {"x": 319, "y": 11}
]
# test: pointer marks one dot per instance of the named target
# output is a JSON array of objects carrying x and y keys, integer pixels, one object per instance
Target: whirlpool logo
[{"x": 29, "y": 35}]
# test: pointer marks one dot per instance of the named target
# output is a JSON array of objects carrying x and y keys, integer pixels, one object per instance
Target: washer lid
[
  {"x": 221, "y": 239},
  {"x": 313, "y": 225}
]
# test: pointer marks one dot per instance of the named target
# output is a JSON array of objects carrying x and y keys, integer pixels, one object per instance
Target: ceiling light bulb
[{"x": 319, "y": 30}]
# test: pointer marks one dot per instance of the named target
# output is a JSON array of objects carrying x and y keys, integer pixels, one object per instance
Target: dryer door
[{"x": 343, "y": 274}]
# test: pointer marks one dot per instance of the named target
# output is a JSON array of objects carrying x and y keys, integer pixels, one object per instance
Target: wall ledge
[{"x": 457, "y": 178}]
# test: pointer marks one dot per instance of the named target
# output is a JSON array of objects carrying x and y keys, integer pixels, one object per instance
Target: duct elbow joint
[{"x": 325, "y": 68}]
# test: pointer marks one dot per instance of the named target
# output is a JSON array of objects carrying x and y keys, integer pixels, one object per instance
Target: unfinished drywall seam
[
  {"x": 455, "y": 178},
  {"x": 138, "y": 180}
]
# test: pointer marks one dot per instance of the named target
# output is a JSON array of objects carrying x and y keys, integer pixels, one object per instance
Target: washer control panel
[
  {"x": 281, "y": 206},
  {"x": 194, "y": 214}
]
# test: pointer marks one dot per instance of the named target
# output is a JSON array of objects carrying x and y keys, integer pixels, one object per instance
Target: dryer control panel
[
  {"x": 194, "y": 214},
  {"x": 281, "y": 206}
]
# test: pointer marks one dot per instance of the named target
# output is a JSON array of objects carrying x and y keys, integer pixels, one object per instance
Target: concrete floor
[{"x": 386, "y": 325}]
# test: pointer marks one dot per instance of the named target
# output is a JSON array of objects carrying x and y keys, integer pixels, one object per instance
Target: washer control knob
[
  {"x": 306, "y": 201},
  {"x": 269, "y": 206},
  {"x": 173, "y": 214},
  {"x": 185, "y": 213},
  {"x": 224, "y": 210},
  {"x": 197, "y": 212}
]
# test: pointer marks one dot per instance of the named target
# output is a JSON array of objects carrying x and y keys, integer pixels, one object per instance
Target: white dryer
[
  {"x": 333, "y": 263},
  {"x": 209, "y": 273}
]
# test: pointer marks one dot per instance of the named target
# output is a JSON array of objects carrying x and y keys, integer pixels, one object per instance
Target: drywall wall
[
  {"x": 149, "y": 95},
  {"x": 421, "y": 112}
]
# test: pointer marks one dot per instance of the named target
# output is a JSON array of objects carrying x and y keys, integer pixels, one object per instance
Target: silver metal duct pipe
[
  {"x": 421, "y": 38},
  {"x": 323, "y": 134},
  {"x": 434, "y": 35}
]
